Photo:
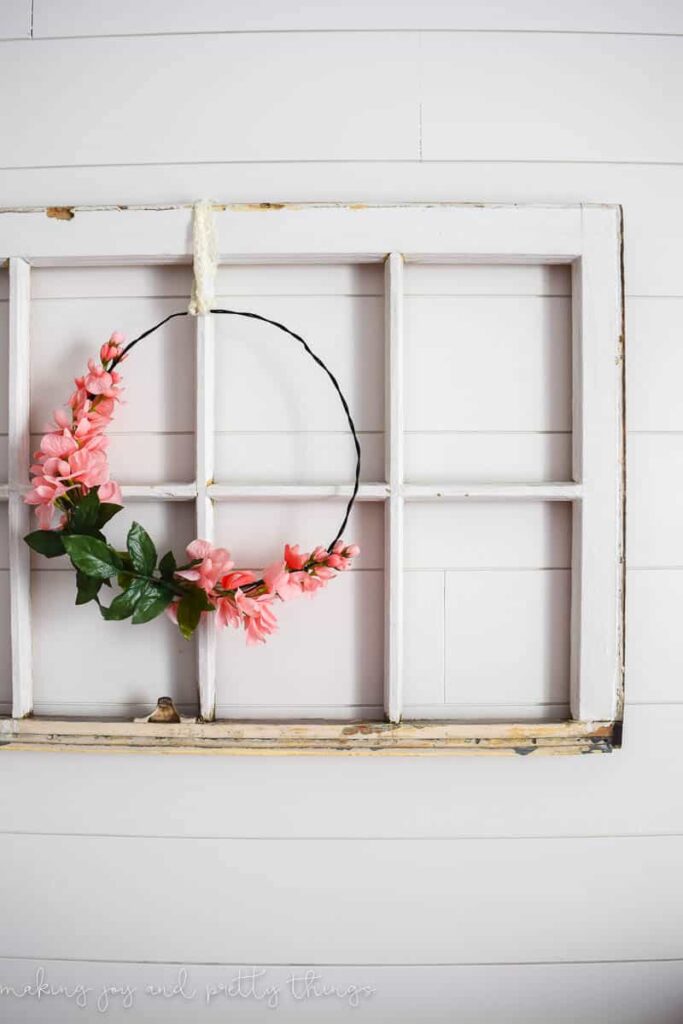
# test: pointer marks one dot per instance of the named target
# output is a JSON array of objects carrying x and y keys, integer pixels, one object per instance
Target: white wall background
[{"x": 460, "y": 889}]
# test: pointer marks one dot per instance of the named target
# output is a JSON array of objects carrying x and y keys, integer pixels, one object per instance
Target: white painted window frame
[{"x": 589, "y": 238}]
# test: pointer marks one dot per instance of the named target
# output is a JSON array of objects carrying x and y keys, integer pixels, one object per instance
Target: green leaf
[
  {"x": 141, "y": 549},
  {"x": 107, "y": 511},
  {"x": 189, "y": 614},
  {"x": 46, "y": 542},
  {"x": 92, "y": 556},
  {"x": 87, "y": 588},
  {"x": 84, "y": 516},
  {"x": 154, "y": 599},
  {"x": 203, "y": 601},
  {"x": 124, "y": 580},
  {"x": 167, "y": 565},
  {"x": 123, "y": 605},
  {"x": 198, "y": 597},
  {"x": 190, "y": 608}
]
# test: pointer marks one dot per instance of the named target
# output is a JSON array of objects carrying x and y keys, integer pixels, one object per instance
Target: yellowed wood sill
[{"x": 232, "y": 737}]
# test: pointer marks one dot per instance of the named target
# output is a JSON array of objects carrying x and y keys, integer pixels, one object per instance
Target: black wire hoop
[{"x": 316, "y": 358}]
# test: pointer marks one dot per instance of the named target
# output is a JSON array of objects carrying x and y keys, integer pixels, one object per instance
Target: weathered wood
[
  {"x": 204, "y": 441},
  {"x": 294, "y": 492},
  {"x": 493, "y": 492},
  {"x": 586, "y": 237},
  {"x": 18, "y": 464},
  {"x": 598, "y": 443},
  {"x": 313, "y": 737},
  {"x": 70, "y": 18},
  {"x": 394, "y": 439},
  {"x": 316, "y": 233},
  {"x": 159, "y": 492}
]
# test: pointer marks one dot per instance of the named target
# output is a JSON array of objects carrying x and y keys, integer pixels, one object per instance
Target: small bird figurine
[{"x": 165, "y": 711}]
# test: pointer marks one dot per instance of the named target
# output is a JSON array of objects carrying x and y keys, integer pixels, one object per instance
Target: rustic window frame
[{"x": 587, "y": 237}]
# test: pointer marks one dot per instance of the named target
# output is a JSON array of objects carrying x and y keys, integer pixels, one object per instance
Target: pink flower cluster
[
  {"x": 72, "y": 459},
  {"x": 72, "y": 456},
  {"x": 240, "y": 599}
]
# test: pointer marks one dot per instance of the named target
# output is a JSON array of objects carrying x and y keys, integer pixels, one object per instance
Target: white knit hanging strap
[{"x": 204, "y": 259}]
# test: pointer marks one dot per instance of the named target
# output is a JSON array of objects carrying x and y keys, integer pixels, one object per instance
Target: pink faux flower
[
  {"x": 43, "y": 495},
  {"x": 89, "y": 468},
  {"x": 238, "y": 578},
  {"x": 59, "y": 444},
  {"x": 61, "y": 419},
  {"x": 227, "y": 613},
  {"x": 111, "y": 492},
  {"x": 276, "y": 579},
  {"x": 45, "y": 514},
  {"x": 73, "y": 454},
  {"x": 112, "y": 348},
  {"x": 258, "y": 617},
  {"x": 293, "y": 557},
  {"x": 215, "y": 562},
  {"x": 72, "y": 459}
]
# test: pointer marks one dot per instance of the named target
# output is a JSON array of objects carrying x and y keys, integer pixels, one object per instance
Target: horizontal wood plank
[
  {"x": 514, "y": 116},
  {"x": 625, "y": 794},
  {"x": 16, "y": 19},
  {"x": 653, "y": 639},
  {"x": 476, "y": 457},
  {"x": 655, "y": 360},
  {"x": 507, "y": 637},
  {"x": 462, "y": 352},
  {"x": 268, "y": 97},
  {"x": 649, "y": 193},
  {"x": 232, "y": 281},
  {"x": 466, "y": 893},
  {"x": 486, "y": 534},
  {"x": 325, "y": 661},
  {"x": 654, "y": 500},
  {"x": 281, "y": 388},
  {"x": 158, "y": 378},
  {"x": 517, "y": 993},
  {"x": 295, "y": 459},
  {"x": 69, "y": 18},
  {"x": 134, "y": 665},
  {"x": 256, "y": 531},
  {"x": 547, "y": 281}
]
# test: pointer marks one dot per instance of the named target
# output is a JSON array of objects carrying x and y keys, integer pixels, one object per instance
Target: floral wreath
[{"x": 70, "y": 476}]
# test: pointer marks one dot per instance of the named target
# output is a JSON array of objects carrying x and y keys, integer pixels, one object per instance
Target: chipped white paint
[
  {"x": 393, "y": 523},
  {"x": 597, "y": 542},
  {"x": 295, "y": 492},
  {"x": 19, "y": 513},
  {"x": 159, "y": 492},
  {"x": 314, "y": 737},
  {"x": 588, "y": 238},
  {"x": 493, "y": 492},
  {"x": 204, "y": 440}
]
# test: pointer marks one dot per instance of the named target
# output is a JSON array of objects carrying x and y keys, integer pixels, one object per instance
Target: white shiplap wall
[{"x": 485, "y": 890}]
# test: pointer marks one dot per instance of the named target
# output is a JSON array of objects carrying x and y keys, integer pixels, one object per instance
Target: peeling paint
[
  {"x": 60, "y": 212},
  {"x": 256, "y": 207},
  {"x": 365, "y": 728}
]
